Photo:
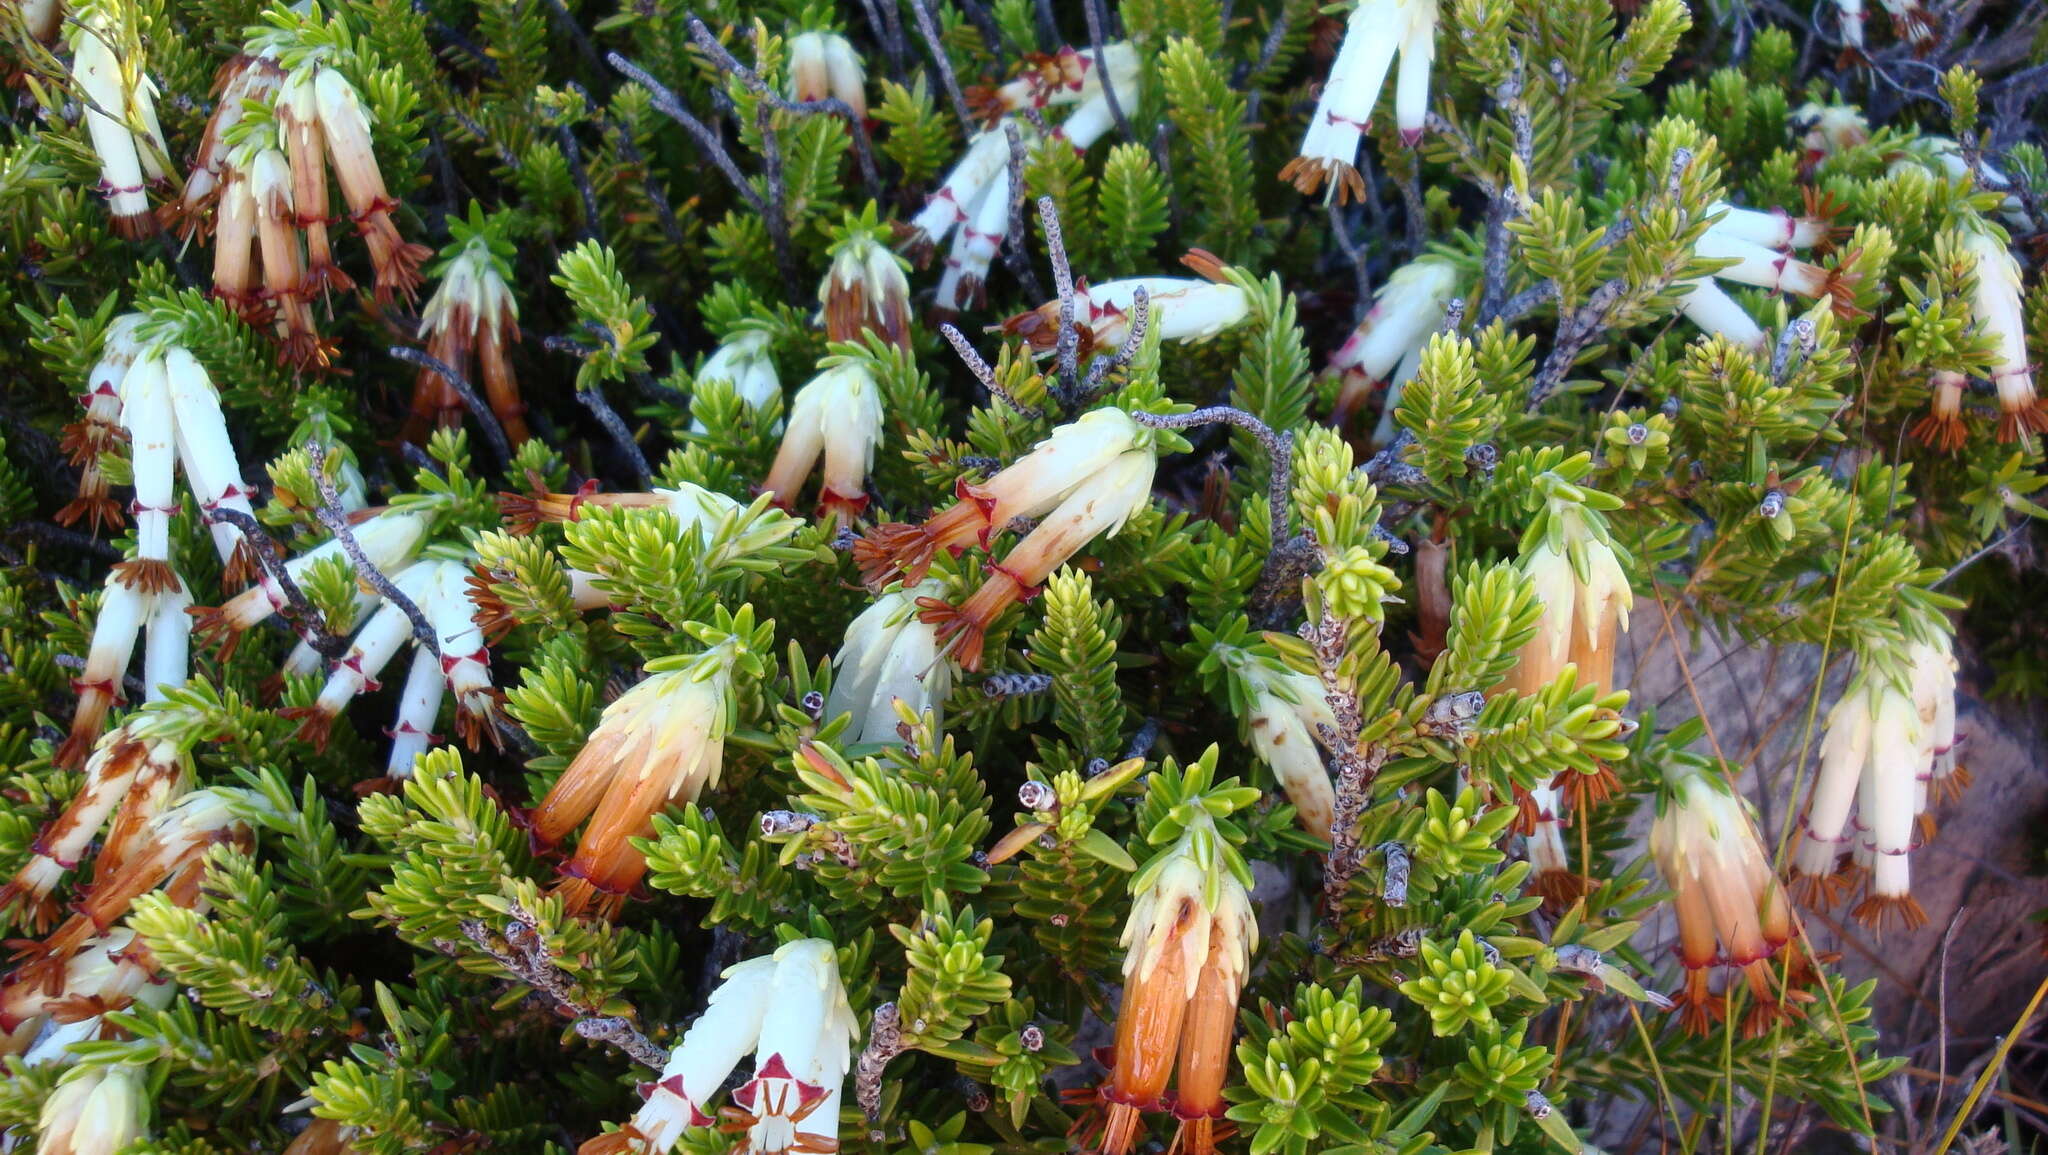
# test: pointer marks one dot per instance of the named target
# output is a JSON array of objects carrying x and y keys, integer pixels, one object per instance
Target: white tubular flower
[
  {"x": 865, "y": 289},
  {"x": 790, "y": 1010},
  {"x": 976, "y": 244},
  {"x": 2000, "y": 309},
  {"x": 1913, "y": 22},
  {"x": 1287, "y": 710},
  {"x": 122, "y": 612},
  {"x": 1705, "y": 304},
  {"x": 368, "y": 653},
  {"x": 742, "y": 359},
  {"x": 1775, "y": 229},
  {"x": 246, "y": 77},
  {"x": 419, "y": 703},
  {"x": 824, "y": 65},
  {"x": 1405, "y": 311},
  {"x": 1408, "y": 370},
  {"x": 1377, "y": 30},
  {"x": 100, "y": 429},
  {"x": 987, "y": 154},
  {"x": 167, "y": 644},
  {"x": 1852, "y": 14},
  {"x": 99, "y": 978},
  {"x": 389, "y": 540},
  {"x": 146, "y": 413},
  {"x": 1875, "y": 762},
  {"x": 1177, "y": 308},
  {"x": 465, "y": 662},
  {"x": 889, "y": 656},
  {"x": 208, "y": 457},
  {"x": 95, "y": 1110},
  {"x": 661, "y": 744},
  {"x": 1934, "y": 694},
  {"x": 120, "y": 114},
  {"x": 1031, "y": 486},
  {"x": 837, "y": 417},
  {"x": 1767, "y": 268},
  {"x": 1541, "y": 822}
]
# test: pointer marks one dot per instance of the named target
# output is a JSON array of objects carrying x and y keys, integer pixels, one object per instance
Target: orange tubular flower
[
  {"x": 471, "y": 312},
  {"x": 243, "y": 78},
  {"x": 836, "y": 420},
  {"x": 1188, "y": 948},
  {"x": 865, "y": 290},
  {"x": 1099, "y": 506},
  {"x": 659, "y": 745},
  {"x": 1731, "y": 910}
]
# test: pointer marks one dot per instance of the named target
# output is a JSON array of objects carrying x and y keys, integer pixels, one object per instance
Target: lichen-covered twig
[
  {"x": 299, "y": 610},
  {"x": 1279, "y": 447},
  {"x": 863, "y": 149},
  {"x": 885, "y": 1042},
  {"x": 944, "y": 67},
  {"x": 707, "y": 141},
  {"x": 331, "y": 515},
  {"x": 983, "y": 373},
  {"x": 524, "y": 954}
]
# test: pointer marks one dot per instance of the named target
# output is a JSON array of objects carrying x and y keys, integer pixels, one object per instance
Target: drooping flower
[
  {"x": 100, "y": 429},
  {"x": 160, "y": 619},
  {"x": 462, "y": 665},
  {"x": 135, "y": 768},
  {"x": 109, "y": 973},
  {"x": 1731, "y": 910},
  {"x": 1178, "y": 309},
  {"x": 389, "y": 539},
  {"x": 836, "y": 417},
  {"x": 1069, "y": 76},
  {"x": 889, "y": 656},
  {"x": 824, "y": 65},
  {"x": 1889, "y": 738},
  {"x": 1773, "y": 228},
  {"x": 1030, "y": 487},
  {"x": 1941, "y": 427},
  {"x": 246, "y": 77},
  {"x": 120, "y": 115},
  {"x": 661, "y": 744},
  {"x": 1580, "y": 579},
  {"x": 1099, "y": 506},
  {"x": 470, "y": 323},
  {"x": 1711, "y": 308},
  {"x": 953, "y": 205},
  {"x": 1187, "y": 950},
  {"x": 97, "y": 1109},
  {"x": 1405, "y": 311},
  {"x": 1767, "y": 268},
  {"x": 865, "y": 290},
  {"x": 2000, "y": 309},
  {"x": 743, "y": 360},
  {"x": 1283, "y": 714},
  {"x": 1378, "y": 30},
  {"x": 790, "y": 1010}
]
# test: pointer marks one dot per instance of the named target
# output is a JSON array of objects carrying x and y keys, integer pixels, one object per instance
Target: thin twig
[
  {"x": 1134, "y": 340},
  {"x": 523, "y": 951},
  {"x": 593, "y": 400},
  {"x": 331, "y": 515},
  {"x": 707, "y": 141},
  {"x": 1093, "y": 10},
  {"x": 1067, "y": 341},
  {"x": 1279, "y": 447},
  {"x": 863, "y": 150},
  {"x": 310, "y": 624},
  {"x": 777, "y": 214},
  {"x": 1016, "y": 253},
  {"x": 944, "y": 66},
  {"x": 984, "y": 374},
  {"x": 486, "y": 420}
]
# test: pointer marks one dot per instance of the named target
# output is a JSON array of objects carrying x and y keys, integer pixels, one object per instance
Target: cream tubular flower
[
  {"x": 1068, "y": 76},
  {"x": 465, "y": 661},
  {"x": 1767, "y": 268},
  {"x": 1775, "y": 229},
  {"x": 1287, "y": 710},
  {"x": 1405, "y": 311},
  {"x": 419, "y": 704},
  {"x": 347, "y": 130},
  {"x": 889, "y": 656},
  {"x": 1029, "y": 487},
  {"x": 120, "y": 115},
  {"x": 661, "y": 744},
  {"x": 836, "y": 417},
  {"x": 1177, "y": 308},
  {"x": 824, "y": 65},
  {"x": 2000, "y": 310},
  {"x": 147, "y": 415},
  {"x": 744, "y": 360},
  {"x": 242, "y": 79},
  {"x": 100, "y": 977},
  {"x": 95, "y": 1110},
  {"x": 389, "y": 540},
  {"x": 1098, "y": 507},
  {"x": 790, "y": 1010},
  {"x": 863, "y": 290},
  {"x": 234, "y": 248},
  {"x": 1376, "y": 31}
]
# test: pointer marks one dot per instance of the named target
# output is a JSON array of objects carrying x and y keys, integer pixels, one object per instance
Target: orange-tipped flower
[
  {"x": 100, "y": 429},
  {"x": 1731, "y": 910},
  {"x": 865, "y": 290},
  {"x": 244, "y": 78},
  {"x": 1098, "y": 506},
  {"x": 659, "y": 745},
  {"x": 470, "y": 324},
  {"x": 1032, "y": 486},
  {"x": 1188, "y": 947}
]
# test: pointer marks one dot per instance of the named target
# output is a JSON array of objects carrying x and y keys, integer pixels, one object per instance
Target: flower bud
[
  {"x": 824, "y": 65},
  {"x": 469, "y": 322},
  {"x": 865, "y": 290},
  {"x": 889, "y": 656},
  {"x": 95, "y": 1110},
  {"x": 742, "y": 359},
  {"x": 837, "y": 417}
]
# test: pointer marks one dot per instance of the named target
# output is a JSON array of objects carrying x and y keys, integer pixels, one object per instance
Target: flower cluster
[
  {"x": 1386, "y": 346},
  {"x": 469, "y": 323},
  {"x": 1758, "y": 247},
  {"x": 120, "y": 115}
]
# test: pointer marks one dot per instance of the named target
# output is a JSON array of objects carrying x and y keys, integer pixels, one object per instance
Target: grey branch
[
  {"x": 493, "y": 431},
  {"x": 332, "y": 516}
]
